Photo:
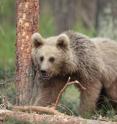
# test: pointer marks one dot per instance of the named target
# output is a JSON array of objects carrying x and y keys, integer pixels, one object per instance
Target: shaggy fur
[{"x": 93, "y": 62}]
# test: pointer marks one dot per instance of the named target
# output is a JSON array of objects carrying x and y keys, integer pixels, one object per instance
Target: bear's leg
[
  {"x": 112, "y": 95},
  {"x": 112, "y": 91},
  {"x": 47, "y": 94},
  {"x": 89, "y": 97}
]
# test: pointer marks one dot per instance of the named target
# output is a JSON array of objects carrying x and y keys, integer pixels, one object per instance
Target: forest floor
[{"x": 68, "y": 105}]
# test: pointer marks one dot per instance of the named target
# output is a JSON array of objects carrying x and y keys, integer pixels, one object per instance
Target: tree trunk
[
  {"x": 27, "y": 23},
  {"x": 65, "y": 12},
  {"x": 88, "y": 13},
  {"x": 107, "y": 18}
]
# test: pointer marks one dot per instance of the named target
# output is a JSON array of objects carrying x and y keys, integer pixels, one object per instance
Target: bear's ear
[
  {"x": 63, "y": 41},
  {"x": 37, "y": 40}
]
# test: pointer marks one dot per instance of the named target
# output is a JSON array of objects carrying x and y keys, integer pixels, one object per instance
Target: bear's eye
[
  {"x": 41, "y": 58},
  {"x": 51, "y": 59}
]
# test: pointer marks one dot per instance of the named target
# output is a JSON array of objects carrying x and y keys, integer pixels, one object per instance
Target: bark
[
  {"x": 107, "y": 18},
  {"x": 50, "y": 119},
  {"x": 27, "y": 23}
]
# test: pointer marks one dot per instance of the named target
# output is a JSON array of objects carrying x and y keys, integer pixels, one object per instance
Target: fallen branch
[{"x": 37, "y": 109}]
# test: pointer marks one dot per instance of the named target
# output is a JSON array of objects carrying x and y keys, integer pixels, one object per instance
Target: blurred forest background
[{"x": 91, "y": 17}]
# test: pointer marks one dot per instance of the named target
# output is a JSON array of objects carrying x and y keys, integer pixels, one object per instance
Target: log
[{"x": 50, "y": 119}]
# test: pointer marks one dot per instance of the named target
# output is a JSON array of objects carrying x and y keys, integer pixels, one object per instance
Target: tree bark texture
[
  {"x": 27, "y": 23},
  {"x": 107, "y": 18}
]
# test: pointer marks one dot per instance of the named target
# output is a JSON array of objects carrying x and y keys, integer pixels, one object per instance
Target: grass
[
  {"x": 9, "y": 91},
  {"x": 107, "y": 109},
  {"x": 70, "y": 101}
]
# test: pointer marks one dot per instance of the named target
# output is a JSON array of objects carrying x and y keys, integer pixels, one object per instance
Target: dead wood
[
  {"x": 50, "y": 119},
  {"x": 37, "y": 109}
]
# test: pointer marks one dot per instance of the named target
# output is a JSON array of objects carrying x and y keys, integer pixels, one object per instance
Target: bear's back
[
  {"x": 108, "y": 49},
  {"x": 97, "y": 54},
  {"x": 108, "y": 53}
]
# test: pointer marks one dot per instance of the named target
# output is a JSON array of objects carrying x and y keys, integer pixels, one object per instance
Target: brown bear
[{"x": 91, "y": 61}]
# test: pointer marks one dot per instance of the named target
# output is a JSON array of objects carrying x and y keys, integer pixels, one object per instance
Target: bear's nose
[{"x": 43, "y": 72}]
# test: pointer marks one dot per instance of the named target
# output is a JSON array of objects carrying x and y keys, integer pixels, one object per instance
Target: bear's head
[{"x": 52, "y": 55}]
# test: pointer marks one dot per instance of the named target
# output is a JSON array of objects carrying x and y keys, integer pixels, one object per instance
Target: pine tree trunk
[
  {"x": 27, "y": 23},
  {"x": 107, "y": 18}
]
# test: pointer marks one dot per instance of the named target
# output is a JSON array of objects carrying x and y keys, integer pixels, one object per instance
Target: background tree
[
  {"x": 88, "y": 13},
  {"x": 67, "y": 13},
  {"x": 107, "y": 18},
  {"x": 27, "y": 23}
]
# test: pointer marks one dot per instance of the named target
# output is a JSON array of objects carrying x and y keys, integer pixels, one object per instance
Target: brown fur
[{"x": 93, "y": 62}]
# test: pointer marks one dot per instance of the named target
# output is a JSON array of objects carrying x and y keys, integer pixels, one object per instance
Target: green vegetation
[
  {"x": 46, "y": 23},
  {"x": 7, "y": 46},
  {"x": 9, "y": 91},
  {"x": 70, "y": 101},
  {"x": 7, "y": 34},
  {"x": 80, "y": 28}
]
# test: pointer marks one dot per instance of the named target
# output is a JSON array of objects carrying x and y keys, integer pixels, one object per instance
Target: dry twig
[{"x": 66, "y": 85}]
